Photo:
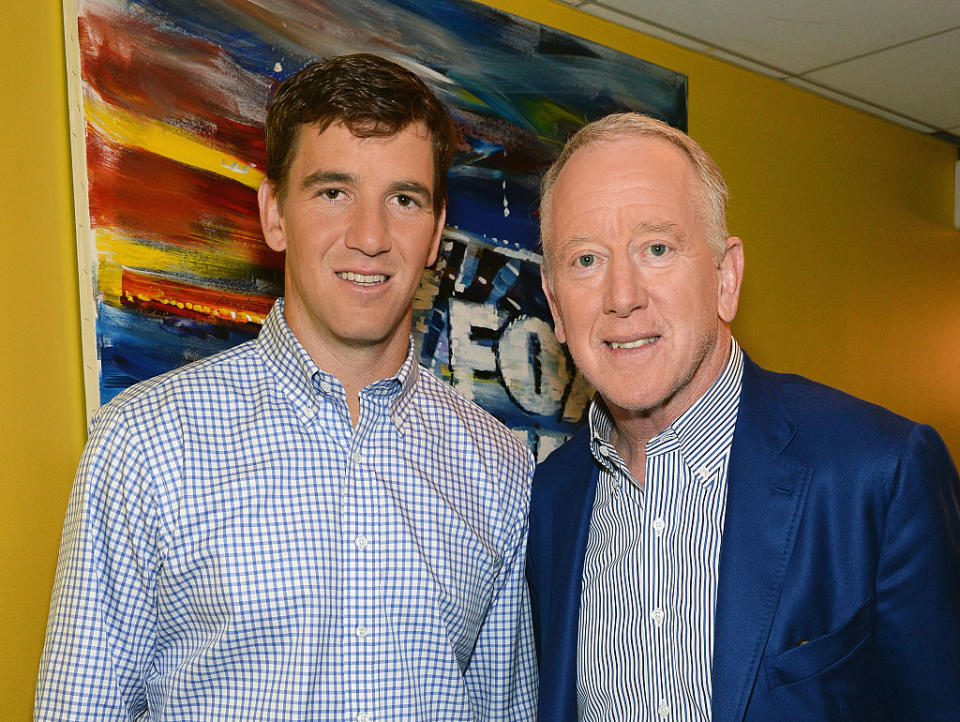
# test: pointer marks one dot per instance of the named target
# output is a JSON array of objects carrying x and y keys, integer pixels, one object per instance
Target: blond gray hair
[{"x": 712, "y": 196}]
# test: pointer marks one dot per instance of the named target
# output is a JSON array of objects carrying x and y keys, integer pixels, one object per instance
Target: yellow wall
[
  {"x": 41, "y": 406},
  {"x": 852, "y": 271},
  {"x": 852, "y": 262}
]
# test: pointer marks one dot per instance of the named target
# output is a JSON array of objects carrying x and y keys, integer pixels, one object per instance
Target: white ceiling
[{"x": 898, "y": 59}]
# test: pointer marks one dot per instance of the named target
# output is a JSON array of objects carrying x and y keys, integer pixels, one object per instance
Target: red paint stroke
[
  {"x": 186, "y": 82},
  {"x": 523, "y": 151},
  {"x": 152, "y": 197},
  {"x": 148, "y": 291}
]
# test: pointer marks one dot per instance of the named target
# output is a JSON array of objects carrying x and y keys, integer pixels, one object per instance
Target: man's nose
[
  {"x": 624, "y": 289},
  {"x": 368, "y": 230}
]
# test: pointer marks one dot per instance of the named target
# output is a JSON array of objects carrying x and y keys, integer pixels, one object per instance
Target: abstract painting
[{"x": 168, "y": 105}]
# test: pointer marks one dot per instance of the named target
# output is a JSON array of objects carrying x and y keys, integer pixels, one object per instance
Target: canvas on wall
[{"x": 169, "y": 101}]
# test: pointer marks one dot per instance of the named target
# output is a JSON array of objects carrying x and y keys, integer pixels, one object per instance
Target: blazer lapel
[
  {"x": 572, "y": 508},
  {"x": 765, "y": 494}
]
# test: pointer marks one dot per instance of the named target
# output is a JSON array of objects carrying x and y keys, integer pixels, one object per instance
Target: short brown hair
[
  {"x": 371, "y": 96},
  {"x": 618, "y": 126}
]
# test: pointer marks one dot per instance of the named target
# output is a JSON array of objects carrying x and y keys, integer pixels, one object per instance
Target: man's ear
[
  {"x": 441, "y": 223},
  {"x": 730, "y": 277},
  {"x": 558, "y": 329},
  {"x": 271, "y": 216}
]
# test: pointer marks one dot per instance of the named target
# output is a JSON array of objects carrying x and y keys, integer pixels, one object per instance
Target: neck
[
  {"x": 358, "y": 370},
  {"x": 629, "y": 438},
  {"x": 356, "y": 365},
  {"x": 633, "y": 428}
]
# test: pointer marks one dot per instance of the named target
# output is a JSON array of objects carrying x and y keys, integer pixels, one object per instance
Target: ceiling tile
[
  {"x": 866, "y": 107},
  {"x": 796, "y": 35},
  {"x": 655, "y": 31},
  {"x": 746, "y": 63},
  {"x": 920, "y": 80}
]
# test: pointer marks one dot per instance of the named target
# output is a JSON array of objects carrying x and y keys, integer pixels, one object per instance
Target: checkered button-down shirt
[{"x": 235, "y": 550}]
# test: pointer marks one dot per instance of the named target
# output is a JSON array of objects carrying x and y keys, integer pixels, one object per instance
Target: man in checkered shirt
[{"x": 308, "y": 526}]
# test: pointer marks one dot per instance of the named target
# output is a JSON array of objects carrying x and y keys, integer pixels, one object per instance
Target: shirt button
[
  {"x": 362, "y": 631},
  {"x": 361, "y": 542},
  {"x": 704, "y": 473},
  {"x": 325, "y": 387},
  {"x": 363, "y": 717},
  {"x": 664, "y": 709},
  {"x": 658, "y": 616},
  {"x": 357, "y": 457},
  {"x": 659, "y": 525}
]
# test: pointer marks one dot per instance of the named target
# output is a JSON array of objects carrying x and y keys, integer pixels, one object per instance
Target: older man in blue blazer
[{"x": 721, "y": 542}]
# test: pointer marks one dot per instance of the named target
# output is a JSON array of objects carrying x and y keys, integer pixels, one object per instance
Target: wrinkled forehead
[
  {"x": 609, "y": 172},
  {"x": 607, "y": 175}
]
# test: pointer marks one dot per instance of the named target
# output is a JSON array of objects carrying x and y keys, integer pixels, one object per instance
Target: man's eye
[
  {"x": 331, "y": 194},
  {"x": 585, "y": 260},
  {"x": 406, "y": 201},
  {"x": 659, "y": 250}
]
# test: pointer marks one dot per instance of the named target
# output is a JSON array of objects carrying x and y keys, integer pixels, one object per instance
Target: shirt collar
[
  {"x": 305, "y": 384},
  {"x": 601, "y": 424},
  {"x": 703, "y": 433},
  {"x": 396, "y": 392}
]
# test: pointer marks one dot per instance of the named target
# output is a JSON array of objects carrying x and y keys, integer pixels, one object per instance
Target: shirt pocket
[{"x": 838, "y": 648}]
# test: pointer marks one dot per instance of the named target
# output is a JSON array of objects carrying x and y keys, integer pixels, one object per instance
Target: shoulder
[
  {"x": 823, "y": 412},
  {"x": 443, "y": 405},
  {"x": 459, "y": 441},
  {"x": 141, "y": 439},
  {"x": 568, "y": 470},
  {"x": 561, "y": 462},
  {"x": 200, "y": 389},
  {"x": 835, "y": 428}
]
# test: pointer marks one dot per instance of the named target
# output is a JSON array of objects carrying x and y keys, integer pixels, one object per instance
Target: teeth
[
  {"x": 633, "y": 344},
  {"x": 362, "y": 279}
]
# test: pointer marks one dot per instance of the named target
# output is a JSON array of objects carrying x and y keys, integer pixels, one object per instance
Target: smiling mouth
[
  {"x": 372, "y": 279},
  {"x": 632, "y": 344}
]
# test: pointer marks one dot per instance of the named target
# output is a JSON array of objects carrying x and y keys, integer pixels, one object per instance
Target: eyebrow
[
  {"x": 652, "y": 227},
  {"x": 644, "y": 227},
  {"x": 564, "y": 246},
  {"x": 413, "y": 188},
  {"x": 325, "y": 177}
]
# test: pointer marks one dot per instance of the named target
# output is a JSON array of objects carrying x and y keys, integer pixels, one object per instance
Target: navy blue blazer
[{"x": 842, "y": 529}]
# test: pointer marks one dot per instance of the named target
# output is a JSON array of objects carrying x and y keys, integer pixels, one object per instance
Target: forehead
[
  {"x": 637, "y": 178},
  {"x": 633, "y": 159},
  {"x": 410, "y": 147}
]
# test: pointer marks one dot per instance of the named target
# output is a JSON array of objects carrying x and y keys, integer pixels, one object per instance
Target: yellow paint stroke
[
  {"x": 468, "y": 97},
  {"x": 115, "y": 250},
  {"x": 169, "y": 141}
]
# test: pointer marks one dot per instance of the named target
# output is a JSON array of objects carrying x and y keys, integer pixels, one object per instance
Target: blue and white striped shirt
[
  {"x": 235, "y": 550},
  {"x": 650, "y": 572}
]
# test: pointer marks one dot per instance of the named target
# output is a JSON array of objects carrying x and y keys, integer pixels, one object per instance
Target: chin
[
  {"x": 635, "y": 400},
  {"x": 367, "y": 340},
  {"x": 635, "y": 407}
]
